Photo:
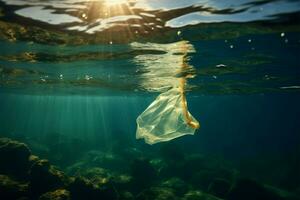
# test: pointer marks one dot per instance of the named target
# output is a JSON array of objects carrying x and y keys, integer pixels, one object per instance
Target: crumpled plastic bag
[{"x": 166, "y": 118}]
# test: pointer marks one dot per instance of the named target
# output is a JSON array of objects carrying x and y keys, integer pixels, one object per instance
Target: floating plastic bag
[{"x": 166, "y": 118}]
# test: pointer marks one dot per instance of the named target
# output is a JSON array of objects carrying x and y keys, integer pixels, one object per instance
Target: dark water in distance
[{"x": 87, "y": 69}]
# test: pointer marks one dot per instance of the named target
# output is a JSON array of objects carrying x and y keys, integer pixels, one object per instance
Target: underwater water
[{"x": 77, "y": 78}]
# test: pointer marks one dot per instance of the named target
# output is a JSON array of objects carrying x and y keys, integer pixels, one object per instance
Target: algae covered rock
[
  {"x": 215, "y": 166},
  {"x": 99, "y": 176},
  {"x": 179, "y": 186},
  {"x": 82, "y": 188},
  {"x": 14, "y": 158},
  {"x": 157, "y": 193},
  {"x": 248, "y": 190},
  {"x": 60, "y": 194},
  {"x": 122, "y": 181},
  {"x": 199, "y": 195},
  {"x": 126, "y": 196},
  {"x": 94, "y": 174},
  {"x": 97, "y": 158},
  {"x": 143, "y": 174},
  {"x": 204, "y": 178},
  {"x": 11, "y": 189},
  {"x": 219, "y": 188},
  {"x": 286, "y": 195},
  {"x": 45, "y": 177},
  {"x": 204, "y": 170}
]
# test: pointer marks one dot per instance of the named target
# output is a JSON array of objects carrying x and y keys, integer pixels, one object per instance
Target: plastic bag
[{"x": 166, "y": 118}]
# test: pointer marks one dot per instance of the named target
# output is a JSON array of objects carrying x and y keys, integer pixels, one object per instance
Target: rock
[
  {"x": 82, "y": 189},
  {"x": 178, "y": 185},
  {"x": 286, "y": 195},
  {"x": 106, "y": 160},
  {"x": 166, "y": 171},
  {"x": 95, "y": 173},
  {"x": 38, "y": 148},
  {"x": 60, "y": 194},
  {"x": 122, "y": 181},
  {"x": 219, "y": 188},
  {"x": 11, "y": 189},
  {"x": 44, "y": 177},
  {"x": 99, "y": 176},
  {"x": 248, "y": 190},
  {"x": 203, "y": 179},
  {"x": 14, "y": 158},
  {"x": 199, "y": 195},
  {"x": 214, "y": 166},
  {"x": 143, "y": 174},
  {"x": 24, "y": 198},
  {"x": 297, "y": 191},
  {"x": 198, "y": 170},
  {"x": 126, "y": 196},
  {"x": 157, "y": 194},
  {"x": 172, "y": 160},
  {"x": 76, "y": 168},
  {"x": 33, "y": 159}
]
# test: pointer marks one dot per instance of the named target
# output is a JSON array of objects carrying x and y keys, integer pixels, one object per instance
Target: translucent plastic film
[{"x": 166, "y": 118}]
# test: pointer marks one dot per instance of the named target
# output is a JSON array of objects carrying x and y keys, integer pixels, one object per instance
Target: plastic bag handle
[
  {"x": 182, "y": 82},
  {"x": 187, "y": 116}
]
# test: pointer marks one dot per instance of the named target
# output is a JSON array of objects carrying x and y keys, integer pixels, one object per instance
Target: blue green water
[
  {"x": 232, "y": 125},
  {"x": 85, "y": 71}
]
